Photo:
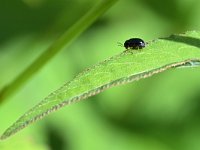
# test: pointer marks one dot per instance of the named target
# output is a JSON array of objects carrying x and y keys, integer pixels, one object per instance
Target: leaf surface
[{"x": 130, "y": 65}]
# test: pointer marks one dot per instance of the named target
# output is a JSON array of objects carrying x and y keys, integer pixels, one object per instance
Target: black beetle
[{"x": 134, "y": 43}]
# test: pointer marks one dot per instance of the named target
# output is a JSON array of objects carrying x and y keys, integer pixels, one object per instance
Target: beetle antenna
[{"x": 120, "y": 44}]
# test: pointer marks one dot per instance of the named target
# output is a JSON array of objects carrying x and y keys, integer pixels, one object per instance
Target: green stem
[{"x": 57, "y": 46}]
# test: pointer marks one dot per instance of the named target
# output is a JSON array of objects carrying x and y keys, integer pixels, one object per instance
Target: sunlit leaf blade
[{"x": 130, "y": 65}]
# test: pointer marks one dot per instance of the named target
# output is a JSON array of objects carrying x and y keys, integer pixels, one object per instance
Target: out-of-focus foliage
[{"x": 161, "y": 112}]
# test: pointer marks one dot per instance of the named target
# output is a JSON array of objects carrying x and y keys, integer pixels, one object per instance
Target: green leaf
[{"x": 130, "y": 65}]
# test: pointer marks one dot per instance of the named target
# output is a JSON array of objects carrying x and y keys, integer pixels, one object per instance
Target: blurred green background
[{"x": 158, "y": 113}]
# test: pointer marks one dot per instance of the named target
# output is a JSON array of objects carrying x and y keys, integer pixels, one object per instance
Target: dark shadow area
[
  {"x": 184, "y": 39},
  {"x": 171, "y": 11},
  {"x": 159, "y": 8},
  {"x": 55, "y": 139},
  {"x": 18, "y": 18},
  {"x": 196, "y": 103}
]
